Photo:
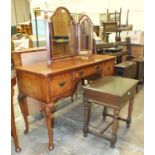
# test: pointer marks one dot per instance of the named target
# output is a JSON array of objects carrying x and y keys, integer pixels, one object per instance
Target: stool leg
[
  {"x": 72, "y": 98},
  {"x": 129, "y": 113},
  {"x": 105, "y": 111},
  {"x": 86, "y": 117},
  {"x": 114, "y": 128}
]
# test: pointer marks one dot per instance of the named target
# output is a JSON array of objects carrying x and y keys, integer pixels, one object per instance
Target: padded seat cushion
[{"x": 111, "y": 90}]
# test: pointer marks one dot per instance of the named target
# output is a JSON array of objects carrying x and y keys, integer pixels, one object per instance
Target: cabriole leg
[
  {"x": 49, "y": 121},
  {"x": 23, "y": 107},
  {"x": 13, "y": 126}
]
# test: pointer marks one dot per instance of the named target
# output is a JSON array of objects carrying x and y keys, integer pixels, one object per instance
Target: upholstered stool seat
[{"x": 112, "y": 92}]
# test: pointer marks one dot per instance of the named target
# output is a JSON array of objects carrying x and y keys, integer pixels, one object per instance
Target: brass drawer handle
[
  {"x": 62, "y": 83},
  {"x": 98, "y": 69},
  {"x": 109, "y": 68},
  {"x": 81, "y": 73}
]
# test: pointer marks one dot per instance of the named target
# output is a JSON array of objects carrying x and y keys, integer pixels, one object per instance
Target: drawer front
[
  {"x": 129, "y": 94},
  {"x": 86, "y": 72},
  {"x": 61, "y": 84},
  {"x": 108, "y": 67}
]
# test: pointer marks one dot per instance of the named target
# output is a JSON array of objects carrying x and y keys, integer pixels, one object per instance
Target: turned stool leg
[
  {"x": 128, "y": 122},
  {"x": 72, "y": 98},
  {"x": 114, "y": 128},
  {"x": 105, "y": 111},
  {"x": 86, "y": 117}
]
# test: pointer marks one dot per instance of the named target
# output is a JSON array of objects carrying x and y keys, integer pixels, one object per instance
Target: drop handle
[
  {"x": 62, "y": 83},
  {"x": 109, "y": 68},
  {"x": 81, "y": 73},
  {"x": 98, "y": 69}
]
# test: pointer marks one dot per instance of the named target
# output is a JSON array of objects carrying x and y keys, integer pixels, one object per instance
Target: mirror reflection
[
  {"x": 85, "y": 35},
  {"x": 63, "y": 33}
]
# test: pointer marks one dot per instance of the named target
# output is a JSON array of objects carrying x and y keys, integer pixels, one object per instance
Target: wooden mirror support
[
  {"x": 85, "y": 36},
  {"x": 61, "y": 35}
]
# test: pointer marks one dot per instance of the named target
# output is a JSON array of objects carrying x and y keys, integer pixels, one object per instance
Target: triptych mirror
[{"x": 65, "y": 38}]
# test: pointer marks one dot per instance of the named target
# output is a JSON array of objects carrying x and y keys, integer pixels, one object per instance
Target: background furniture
[
  {"x": 13, "y": 126},
  {"x": 114, "y": 24},
  {"x": 106, "y": 92},
  {"x": 25, "y": 28},
  {"x": 122, "y": 49},
  {"x": 137, "y": 50},
  {"x": 140, "y": 68},
  {"x": 126, "y": 69},
  {"x": 96, "y": 29}
]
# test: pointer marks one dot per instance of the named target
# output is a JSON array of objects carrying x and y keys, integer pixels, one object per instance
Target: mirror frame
[
  {"x": 49, "y": 36},
  {"x": 81, "y": 20}
]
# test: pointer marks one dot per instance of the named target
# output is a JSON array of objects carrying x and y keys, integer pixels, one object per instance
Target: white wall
[
  {"x": 94, "y": 7},
  {"x": 20, "y": 11},
  {"x": 136, "y": 11},
  {"x": 90, "y": 7},
  {"x": 13, "y": 14}
]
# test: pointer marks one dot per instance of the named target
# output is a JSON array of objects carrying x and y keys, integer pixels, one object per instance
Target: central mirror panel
[{"x": 63, "y": 34}]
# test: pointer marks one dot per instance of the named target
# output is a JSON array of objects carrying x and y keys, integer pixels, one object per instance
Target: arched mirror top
[
  {"x": 83, "y": 18},
  {"x": 85, "y": 36},
  {"x": 62, "y": 34},
  {"x": 61, "y": 21}
]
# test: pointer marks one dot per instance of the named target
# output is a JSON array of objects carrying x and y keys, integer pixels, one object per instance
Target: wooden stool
[
  {"x": 13, "y": 126},
  {"x": 112, "y": 92}
]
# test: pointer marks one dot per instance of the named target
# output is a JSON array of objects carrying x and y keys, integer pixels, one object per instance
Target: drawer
[
  {"x": 61, "y": 84},
  {"x": 128, "y": 95},
  {"x": 86, "y": 72},
  {"x": 108, "y": 67}
]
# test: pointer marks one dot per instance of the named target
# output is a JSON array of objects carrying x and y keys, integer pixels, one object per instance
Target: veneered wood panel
[
  {"x": 33, "y": 86},
  {"x": 61, "y": 84},
  {"x": 108, "y": 67},
  {"x": 137, "y": 50}
]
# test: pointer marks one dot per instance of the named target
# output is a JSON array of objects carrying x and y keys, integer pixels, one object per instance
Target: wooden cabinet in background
[
  {"x": 137, "y": 50},
  {"x": 25, "y": 28}
]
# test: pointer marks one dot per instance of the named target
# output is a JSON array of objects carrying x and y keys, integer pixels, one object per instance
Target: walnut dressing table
[
  {"x": 58, "y": 77},
  {"x": 48, "y": 83}
]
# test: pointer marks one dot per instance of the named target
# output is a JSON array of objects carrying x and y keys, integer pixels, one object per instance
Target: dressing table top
[{"x": 44, "y": 69}]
